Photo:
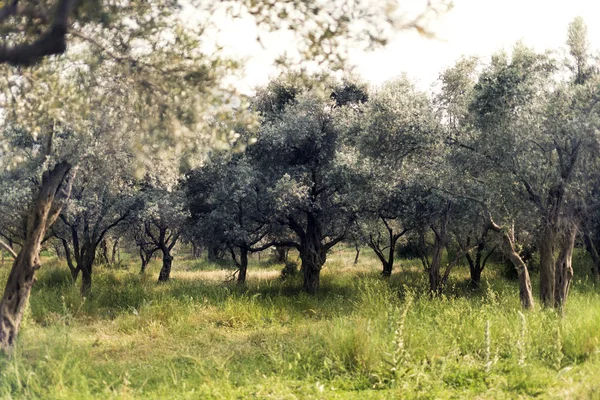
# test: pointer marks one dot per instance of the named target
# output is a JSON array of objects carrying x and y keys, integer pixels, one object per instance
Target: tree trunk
[
  {"x": 525, "y": 293},
  {"x": 389, "y": 265},
  {"x": 243, "y": 265},
  {"x": 312, "y": 254},
  {"x": 54, "y": 189},
  {"x": 281, "y": 254},
  {"x": 145, "y": 257},
  {"x": 312, "y": 261},
  {"x": 86, "y": 280},
  {"x": 357, "y": 254},
  {"x": 115, "y": 251},
  {"x": 75, "y": 274},
  {"x": 85, "y": 264},
  {"x": 440, "y": 243},
  {"x": 475, "y": 275},
  {"x": 144, "y": 265},
  {"x": 196, "y": 250},
  {"x": 564, "y": 268},
  {"x": 435, "y": 278},
  {"x": 547, "y": 265},
  {"x": 104, "y": 252},
  {"x": 311, "y": 272},
  {"x": 72, "y": 268},
  {"x": 165, "y": 271},
  {"x": 214, "y": 253},
  {"x": 475, "y": 266}
]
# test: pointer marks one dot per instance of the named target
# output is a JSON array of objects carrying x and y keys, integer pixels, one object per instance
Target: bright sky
[{"x": 472, "y": 27}]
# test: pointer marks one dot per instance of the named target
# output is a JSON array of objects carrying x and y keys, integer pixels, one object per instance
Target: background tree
[
  {"x": 163, "y": 216},
  {"x": 300, "y": 154},
  {"x": 233, "y": 209},
  {"x": 103, "y": 196},
  {"x": 393, "y": 130}
]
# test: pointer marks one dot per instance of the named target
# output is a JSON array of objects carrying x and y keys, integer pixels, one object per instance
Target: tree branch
[
  {"x": 50, "y": 43},
  {"x": 8, "y": 248}
]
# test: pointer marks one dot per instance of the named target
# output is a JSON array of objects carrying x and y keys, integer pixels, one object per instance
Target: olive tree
[
  {"x": 310, "y": 175},
  {"x": 394, "y": 129},
  {"x": 229, "y": 206},
  {"x": 103, "y": 197},
  {"x": 529, "y": 138}
]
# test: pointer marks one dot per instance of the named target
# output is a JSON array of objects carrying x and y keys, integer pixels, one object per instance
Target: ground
[{"x": 361, "y": 337}]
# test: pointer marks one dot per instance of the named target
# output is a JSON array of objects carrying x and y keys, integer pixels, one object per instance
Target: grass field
[{"x": 197, "y": 337}]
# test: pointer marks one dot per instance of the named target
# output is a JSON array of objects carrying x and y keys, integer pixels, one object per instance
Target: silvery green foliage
[
  {"x": 398, "y": 121},
  {"x": 397, "y": 133},
  {"x": 164, "y": 214},
  {"x": 104, "y": 192},
  {"x": 228, "y": 202},
  {"x": 526, "y": 146},
  {"x": 310, "y": 171},
  {"x": 532, "y": 134}
]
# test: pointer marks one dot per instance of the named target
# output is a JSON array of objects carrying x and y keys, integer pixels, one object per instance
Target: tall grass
[{"x": 360, "y": 337}]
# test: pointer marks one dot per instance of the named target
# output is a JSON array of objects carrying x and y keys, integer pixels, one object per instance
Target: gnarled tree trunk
[
  {"x": 53, "y": 191},
  {"x": 312, "y": 262},
  {"x": 72, "y": 268},
  {"x": 436, "y": 281},
  {"x": 477, "y": 265},
  {"x": 386, "y": 261},
  {"x": 547, "y": 264},
  {"x": 86, "y": 263},
  {"x": 564, "y": 269},
  {"x": 525, "y": 293},
  {"x": 165, "y": 271},
  {"x": 281, "y": 254},
  {"x": 145, "y": 256},
  {"x": 312, "y": 254},
  {"x": 435, "y": 277}
]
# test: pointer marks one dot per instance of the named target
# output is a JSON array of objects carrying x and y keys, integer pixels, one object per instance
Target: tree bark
[
  {"x": 85, "y": 264},
  {"x": 386, "y": 262},
  {"x": 357, "y": 255},
  {"x": 564, "y": 268},
  {"x": 311, "y": 272},
  {"x": 115, "y": 250},
  {"x": 145, "y": 257},
  {"x": 281, "y": 253},
  {"x": 104, "y": 250},
  {"x": 312, "y": 254},
  {"x": 86, "y": 280},
  {"x": 55, "y": 188},
  {"x": 547, "y": 264},
  {"x": 72, "y": 268},
  {"x": 243, "y": 265},
  {"x": 475, "y": 273},
  {"x": 435, "y": 278},
  {"x": 525, "y": 293},
  {"x": 440, "y": 243},
  {"x": 477, "y": 266},
  {"x": 165, "y": 271}
]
